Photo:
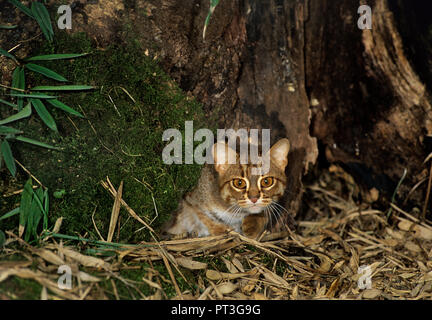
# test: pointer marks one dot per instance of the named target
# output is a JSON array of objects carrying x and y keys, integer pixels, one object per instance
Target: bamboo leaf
[
  {"x": 24, "y": 113},
  {"x": 46, "y": 209},
  {"x": 45, "y": 71},
  {"x": 213, "y": 4},
  {"x": 8, "y": 157},
  {"x": 9, "y": 130},
  {"x": 25, "y": 206},
  {"x": 10, "y": 104},
  {"x": 10, "y": 213},
  {"x": 7, "y": 54},
  {"x": 58, "y": 104},
  {"x": 42, "y": 17},
  {"x": 35, "y": 142},
  {"x": 22, "y": 7},
  {"x": 33, "y": 95},
  {"x": 62, "y": 88},
  {"x": 56, "y": 56},
  {"x": 18, "y": 82},
  {"x": 36, "y": 212},
  {"x": 2, "y": 238},
  {"x": 44, "y": 114},
  {"x": 8, "y": 27}
]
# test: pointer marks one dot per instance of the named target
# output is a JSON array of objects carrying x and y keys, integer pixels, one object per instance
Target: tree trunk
[
  {"x": 373, "y": 112},
  {"x": 305, "y": 70}
]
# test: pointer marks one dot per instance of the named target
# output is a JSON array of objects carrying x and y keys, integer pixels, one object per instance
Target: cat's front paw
[{"x": 254, "y": 225}]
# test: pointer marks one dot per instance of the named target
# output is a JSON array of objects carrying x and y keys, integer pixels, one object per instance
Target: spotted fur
[{"x": 229, "y": 196}]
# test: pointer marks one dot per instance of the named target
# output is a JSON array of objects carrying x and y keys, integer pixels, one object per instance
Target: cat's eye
[
  {"x": 267, "y": 182},
  {"x": 239, "y": 183}
]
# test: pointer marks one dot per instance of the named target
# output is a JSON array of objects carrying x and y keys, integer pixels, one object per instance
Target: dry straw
[{"x": 320, "y": 260}]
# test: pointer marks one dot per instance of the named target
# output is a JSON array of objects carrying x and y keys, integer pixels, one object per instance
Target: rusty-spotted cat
[{"x": 229, "y": 197}]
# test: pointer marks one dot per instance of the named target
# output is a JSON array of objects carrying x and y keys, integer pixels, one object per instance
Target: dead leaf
[
  {"x": 191, "y": 264},
  {"x": 371, "y": 293},
  {"x": 230, "y": 266},
  {"x": 216, "y": 275},
  {"x": 419, "y": 231},
  {"x": 49, "y": 256},
  {"x": 333, "y": 287},
  {"x": 411, "y": 246},
  {"x": 87, "y": 277},
  {"x": 86, "y": 260},
  {"x": 238, "y": 264},
  {"x": 258, "y": 296},
  {"x": 57, "y": 225},
  {"x": 226, "y": 287},
  {"x": 152, "y": 284}
]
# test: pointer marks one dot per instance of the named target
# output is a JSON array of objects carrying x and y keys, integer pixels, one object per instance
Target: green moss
[
  {"x": 19, "y": 288},
  {"x": 119, "y": 138},
  {"x": 22, "y": 289}
]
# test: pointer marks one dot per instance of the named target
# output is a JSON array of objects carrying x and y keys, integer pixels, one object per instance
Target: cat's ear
[
  {"x": 223, "y": 156},
  {"x": 279, "y": 153}
]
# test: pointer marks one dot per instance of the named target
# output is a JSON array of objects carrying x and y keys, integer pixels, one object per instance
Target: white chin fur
[{"x": 255, "y": 209}]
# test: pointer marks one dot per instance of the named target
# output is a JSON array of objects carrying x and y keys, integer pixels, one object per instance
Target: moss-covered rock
[{"x": 120, "y": 137}]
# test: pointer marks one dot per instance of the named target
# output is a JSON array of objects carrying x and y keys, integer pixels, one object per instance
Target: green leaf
[
  {"x": 45, "y": 71},
  {"x": 8, "y": 27},
  {"x": 46, "y": 209},
  {"x": 59, "y": 193},
  {"x": 33, "y": 95},
  {"x": 18, "y": 81},
  {"x": 8, "y": 157},
  {"x": 9, "y": 130},
  {"x": 24, "y": 113},
  {"x": 56, "y": 56},
  {"x": 10, "y": 213},
  {"x": 62, "y": 88},
  {"x": 44, "y": 114},
  {"x": 58, "y": 104},
  {"x": 42, "y": 17},
  {"x": 36, "y": 212},
  {"x": 22, "y": 7},
  {"x": 7, "y": 54},
  {"x": 10, "y": 104},
  {"x": 25, "y": 205},
  {"x": 2, "y": 238},
  {"x": 213, "y": 4},
  {"x": 35, "y": 142}
]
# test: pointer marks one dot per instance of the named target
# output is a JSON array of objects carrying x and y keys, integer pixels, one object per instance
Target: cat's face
[{"x": 252, "y": 193}]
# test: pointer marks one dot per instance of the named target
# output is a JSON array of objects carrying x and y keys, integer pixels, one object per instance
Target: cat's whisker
[
  {"x": 274, "y": 213},
  {"x": 234, "y": 214},
  {"x": 267, "y": 211},
  {"x": 280, "y": 206},
  {"x": 229, "y": 212},
  {"x": 276, "y": 210},
  {"x": 233, "y": 206},
  {"x": 237, "y": 213}
]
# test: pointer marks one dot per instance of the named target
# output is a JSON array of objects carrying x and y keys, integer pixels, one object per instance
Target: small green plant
[
  {"x": 33, "y": 209},
  {"x": 213, "y": 4},
  {"x": 21, "y": 99},
  {"x": 33, "y": 98},
  {"x": 40, "y": 13}
]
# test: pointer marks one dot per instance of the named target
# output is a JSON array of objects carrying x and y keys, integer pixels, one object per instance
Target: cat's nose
[{"x": 254, "y": 200}]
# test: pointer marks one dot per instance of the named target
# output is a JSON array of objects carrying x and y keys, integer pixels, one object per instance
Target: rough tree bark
[
  {"x": 305, "y": 70},
  {"x": 373, "y": 112}
]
